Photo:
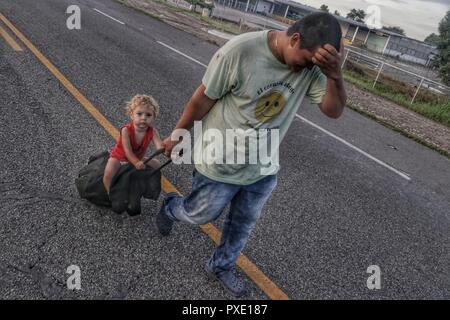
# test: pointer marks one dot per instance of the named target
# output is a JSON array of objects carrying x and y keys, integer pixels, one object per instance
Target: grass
[{"x": 430, "y": 105}]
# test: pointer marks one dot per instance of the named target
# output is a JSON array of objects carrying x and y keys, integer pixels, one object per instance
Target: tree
[
  {"x": 442, "y": 60},
  {"x": 357, "y": 15},
  {"x": 324, "y": 8},
  {"x": 395, "y": 29},
  {"x": 432, "y": 39},
  {"x": 337, "y": 13}
]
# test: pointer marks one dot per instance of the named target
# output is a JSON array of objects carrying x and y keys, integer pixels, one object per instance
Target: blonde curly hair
[{"x": 145, "y": 100}]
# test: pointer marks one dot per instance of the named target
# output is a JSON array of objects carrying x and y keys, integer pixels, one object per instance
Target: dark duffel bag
[{"x": 128, "y": 185}]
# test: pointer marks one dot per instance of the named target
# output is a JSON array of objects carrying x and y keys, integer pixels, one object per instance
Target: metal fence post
[
  {"x": 345, "y": 59},
  {"x": 417, "y": 91},
  {"x": 365, "y": 58},
  {"x": 378, "y": 75}
]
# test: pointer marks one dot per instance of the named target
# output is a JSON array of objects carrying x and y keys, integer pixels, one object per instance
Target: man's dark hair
[{"x": 316, "y": 30}]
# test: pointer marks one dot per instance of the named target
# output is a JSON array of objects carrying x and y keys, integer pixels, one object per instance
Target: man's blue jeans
[{"x": 206, "y": 202}]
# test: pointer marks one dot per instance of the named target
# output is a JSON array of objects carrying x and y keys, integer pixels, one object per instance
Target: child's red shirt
[{"x": 139, "y": 150}]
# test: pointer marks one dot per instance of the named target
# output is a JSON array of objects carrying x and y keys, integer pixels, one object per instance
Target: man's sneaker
[
  {"x": 163, "y": 222},
  {"x": 229, "y": 281}
]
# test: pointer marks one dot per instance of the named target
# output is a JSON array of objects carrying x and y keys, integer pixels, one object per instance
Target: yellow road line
[
  {"x": 260, "y": 279},
  {"x": 10, "y": 40}
]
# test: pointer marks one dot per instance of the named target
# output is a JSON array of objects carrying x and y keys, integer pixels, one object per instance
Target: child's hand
[{"x": 139, "y": 165}]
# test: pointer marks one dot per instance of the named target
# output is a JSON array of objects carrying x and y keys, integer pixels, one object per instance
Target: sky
[{"x": 418, "y": 18}]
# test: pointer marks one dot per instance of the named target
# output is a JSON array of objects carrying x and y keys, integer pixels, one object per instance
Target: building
[{"x": 386, "y": 42}]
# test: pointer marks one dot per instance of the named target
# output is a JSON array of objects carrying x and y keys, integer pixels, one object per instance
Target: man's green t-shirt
[{"x": 253, "y": 91}]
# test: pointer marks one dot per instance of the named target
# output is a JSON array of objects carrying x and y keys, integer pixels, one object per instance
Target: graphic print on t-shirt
[{"x": 269, "y": 106}]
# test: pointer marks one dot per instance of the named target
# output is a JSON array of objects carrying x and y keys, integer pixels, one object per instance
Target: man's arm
[
  {"x": 197, "y": 107},
  {"x": 333, "y": 102},
  {"x": 329, "y": 61}
]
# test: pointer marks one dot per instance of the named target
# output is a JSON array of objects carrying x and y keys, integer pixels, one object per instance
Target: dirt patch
[
  {"x": 176, "y": 18},
  {"x": 409, "y": 123}
]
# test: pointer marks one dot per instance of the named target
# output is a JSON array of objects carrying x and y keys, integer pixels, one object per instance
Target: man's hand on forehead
[
  {"x": 325, "y": 54},
  {"x": 328, "y": 59}
]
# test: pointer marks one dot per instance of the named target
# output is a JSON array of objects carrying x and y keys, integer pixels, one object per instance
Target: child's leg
[{"x": 111, "y": 169}]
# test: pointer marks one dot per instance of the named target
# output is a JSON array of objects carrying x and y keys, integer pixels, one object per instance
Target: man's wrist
[
  {"x": 336, "y": 78},
  {"x": 186, "y": 124}
]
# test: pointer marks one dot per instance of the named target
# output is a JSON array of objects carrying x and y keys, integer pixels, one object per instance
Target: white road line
[
  {"x": 184, "y": 55},
  {"x": 401, "y": 174},
  {"x": 106, "y": 15}
]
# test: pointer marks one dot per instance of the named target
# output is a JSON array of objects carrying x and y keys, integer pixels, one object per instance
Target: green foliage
[
  {"x": 433, "y": 39},
  {"x": 357, "y": 15},
  {"x": 324, "y": 8},
  {"x": 395, "y": 29},
  {"x": 442, "y": 60}
]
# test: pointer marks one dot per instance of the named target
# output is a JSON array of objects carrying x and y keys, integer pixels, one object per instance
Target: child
[{"x": 135, "y": 137}]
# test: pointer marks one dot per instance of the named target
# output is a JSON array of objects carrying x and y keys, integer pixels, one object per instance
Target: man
[{"x": 255, "y": 81}]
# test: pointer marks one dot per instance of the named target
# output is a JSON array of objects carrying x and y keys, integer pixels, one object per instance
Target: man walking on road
[{"x": 255, "y": 81}]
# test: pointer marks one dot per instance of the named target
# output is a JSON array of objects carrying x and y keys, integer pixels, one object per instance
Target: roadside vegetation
[{"x": 431, "y": 105}]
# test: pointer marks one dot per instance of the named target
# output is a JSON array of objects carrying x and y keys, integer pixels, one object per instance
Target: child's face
[{"x": 143, "y": 117}]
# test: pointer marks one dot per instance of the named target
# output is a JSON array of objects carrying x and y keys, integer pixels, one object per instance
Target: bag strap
[{"x": 156, "y": 153}]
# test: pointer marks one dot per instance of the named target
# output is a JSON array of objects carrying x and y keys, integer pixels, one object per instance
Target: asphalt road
[{"x": 351, "y": 193}]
